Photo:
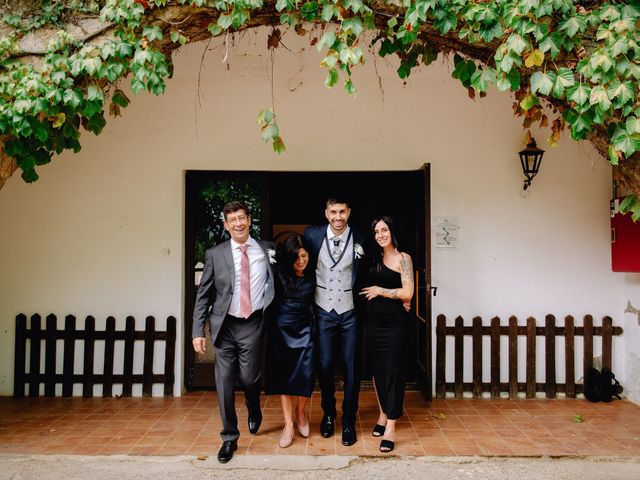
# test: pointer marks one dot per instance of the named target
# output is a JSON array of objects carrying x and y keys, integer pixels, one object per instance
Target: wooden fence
[
  {"x": 532, "y": 333},
  {"x": 89, "y": 336}
]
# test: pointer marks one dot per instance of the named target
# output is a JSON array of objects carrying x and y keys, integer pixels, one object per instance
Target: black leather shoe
[
  {"x": 327, "y": 426},
  {"x": 226, "y": 451},
  {"x": 255, "y": 420},
  {"x": 349, "y": 436}
]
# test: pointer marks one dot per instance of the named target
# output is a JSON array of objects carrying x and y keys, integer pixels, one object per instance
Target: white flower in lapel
[
  {"x": 271, "y": 253},
  {"x": 357, "y": 248}
]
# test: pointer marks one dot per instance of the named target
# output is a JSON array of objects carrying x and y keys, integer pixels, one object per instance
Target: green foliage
[{"x": 585, "y": 56}]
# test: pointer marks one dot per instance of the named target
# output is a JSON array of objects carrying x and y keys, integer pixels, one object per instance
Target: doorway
[{"x": 291, "y": 200}]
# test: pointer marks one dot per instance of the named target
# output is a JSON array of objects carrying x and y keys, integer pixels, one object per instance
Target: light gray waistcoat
[{"x": 333, "y": 287}]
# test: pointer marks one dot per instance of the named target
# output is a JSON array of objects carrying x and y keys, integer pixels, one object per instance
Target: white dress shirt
[
  {"x": 332, "y": 236},
  {"x": 257, "y": 275}
]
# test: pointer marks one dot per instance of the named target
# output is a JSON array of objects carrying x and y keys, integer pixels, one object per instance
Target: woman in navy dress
[
  {"x": 290, "y": 339},
  {"x": 390, "y": 293}
]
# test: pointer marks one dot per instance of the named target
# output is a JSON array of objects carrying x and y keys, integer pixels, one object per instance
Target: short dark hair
[
  {"x": 234, "y": 206},
  {"x": 337, "y": 199},
  {"x": 288, "y": 255}
]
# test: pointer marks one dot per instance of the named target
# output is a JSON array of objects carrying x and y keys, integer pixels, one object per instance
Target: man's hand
[{"x": 199, "y": 344}]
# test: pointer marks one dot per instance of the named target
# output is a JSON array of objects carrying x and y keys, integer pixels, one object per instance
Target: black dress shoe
[
  {"x": 226, "y": 451},
  {"x": 327, "y": 426},
  {"x": 255, "y": 420},
  {"x": 349, "y": 436}
]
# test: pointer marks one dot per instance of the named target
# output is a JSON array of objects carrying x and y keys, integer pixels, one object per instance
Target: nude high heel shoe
[{"x": 286, "y": 439}]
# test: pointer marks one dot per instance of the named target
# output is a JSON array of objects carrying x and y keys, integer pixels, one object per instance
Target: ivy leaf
[
  {"x": 152, "y": 33},
  {"x": 528, "y": 102},
  {"x": 309, "y": 11},
  {"x": 622, "y": 92},
  {"x": 282, "y": 4},
  {"x": 225, "y": 21},
  {"x": 94, "y": 92},
  {"x": 328, "y": 11},
  {"x": 573, "y": 25},
  {"x": 632, "y": 125},
  {"x": 516, "y": 43},
  {"x": 599, "y": 97},
  {"x": 627, "y": 143},
  {"x": 534, "y": 59},
  {"x": 542, "y": 82},
  {"x": 327, "y": 40},
  {"x": 353, "y": 25},
  {"x": 72, "y": 98},
  {"x": 332, "y": 78},
  {"x": 564, "y": 78},
  {"x": 579, "y": 93},
  {"x": 59, "y": 120},
  {"x": 278, "y": 145},
  {"x": 601, "y": 60},
  {"x": 613, "y": 155},
  {"x": 481, "y": 79},
  {"x": 552, "y": 44},
  {"x": 120, "y": 98},
  {"x": 350, "y": 87}
]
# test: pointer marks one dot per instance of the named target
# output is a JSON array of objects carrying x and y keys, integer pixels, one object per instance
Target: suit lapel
[{"x": 228, "y": 257}]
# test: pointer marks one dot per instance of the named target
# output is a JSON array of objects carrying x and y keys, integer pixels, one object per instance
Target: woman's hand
[{"x": 372, "y": 292}]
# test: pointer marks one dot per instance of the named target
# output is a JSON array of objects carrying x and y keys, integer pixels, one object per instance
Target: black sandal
[
  {"x": 378, "y": 430},
  {"x": 386, "y": 446}
]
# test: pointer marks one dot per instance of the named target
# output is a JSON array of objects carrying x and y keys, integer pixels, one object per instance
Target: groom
[
  {"x": 336, "y": 250},
  {"x": 236, "y": 287}
]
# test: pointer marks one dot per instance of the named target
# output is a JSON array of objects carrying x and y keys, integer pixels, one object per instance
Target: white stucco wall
[{"x": 101, "y": 233}]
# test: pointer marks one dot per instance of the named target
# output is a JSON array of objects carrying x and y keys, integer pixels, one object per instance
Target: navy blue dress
[{"x": 290, "y": 339}]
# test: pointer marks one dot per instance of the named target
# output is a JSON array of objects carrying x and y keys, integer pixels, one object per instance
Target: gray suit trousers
[{"x": 238, "y": 356}]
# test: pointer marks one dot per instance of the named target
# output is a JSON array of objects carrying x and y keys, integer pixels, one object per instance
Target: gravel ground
[{"x": 70, "y": 467}]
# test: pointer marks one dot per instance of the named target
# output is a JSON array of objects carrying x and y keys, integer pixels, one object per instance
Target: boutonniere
[
  {"x": 357, "y": 248},
  {"x": 271, "y": 253}
]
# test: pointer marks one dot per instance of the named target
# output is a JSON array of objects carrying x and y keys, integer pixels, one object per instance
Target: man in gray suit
[{"x": 235, "y": 289}]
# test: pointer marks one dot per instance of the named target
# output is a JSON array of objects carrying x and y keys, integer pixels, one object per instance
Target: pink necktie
[{"x": 245, "y": 283}]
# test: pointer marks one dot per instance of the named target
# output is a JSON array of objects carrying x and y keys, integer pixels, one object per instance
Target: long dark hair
[
  {"x": 288, "y": 255},
  {"x": 376, "y": 258}
]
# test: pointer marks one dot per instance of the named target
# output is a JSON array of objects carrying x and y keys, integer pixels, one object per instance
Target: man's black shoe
[
  {"x": 226, "y": 451},
  {"x": 349, "y": 436},
  {"x": 255, "y": 420},
  {"x": 327, "y": 426}
]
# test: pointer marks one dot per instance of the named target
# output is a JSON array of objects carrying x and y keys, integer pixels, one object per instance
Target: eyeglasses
[{"x": 238, "y": 219}]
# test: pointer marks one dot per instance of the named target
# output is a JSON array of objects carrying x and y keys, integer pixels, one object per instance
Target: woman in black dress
[
  {"x": 290, "y": 339},
  {"x": 390, "y": 293}
]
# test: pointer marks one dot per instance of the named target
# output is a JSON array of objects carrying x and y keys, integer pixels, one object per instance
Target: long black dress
[
  {"x": 387, "y": 336},
  {"x": 290, "y": 339}
]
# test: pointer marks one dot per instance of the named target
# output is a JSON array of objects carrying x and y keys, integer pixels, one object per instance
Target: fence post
[
  {"x": 20, "y": 352},
  {"x": 441, "y": 355},
  {"x": 87, "y": 371},
  {"x": 34, "y": 356},
  {"x": 69, "y": 352},
  {"x": 531, "y": 357},
  {"x": 169, "y": 357},
  {"x": 550, "y": 356},
  {"x": 50, "y": 357},
  {"x": 495, "y": 357},
  {"x": 147, "y": 368},
  {"x": 477, "y": 356},
  {"x": 513, "y": 357},
  {"x": 459, "y": 358},
  {"x": 109, "y": 345},
  {"x": 127, "y": 372},
  {"x": 569, "y": 358},
  {"x": 607, "y": 343},
  {"x": 588, "y": 343}
]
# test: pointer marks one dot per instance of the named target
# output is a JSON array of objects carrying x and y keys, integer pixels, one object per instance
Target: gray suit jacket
[{"x": 216, "y": 288}]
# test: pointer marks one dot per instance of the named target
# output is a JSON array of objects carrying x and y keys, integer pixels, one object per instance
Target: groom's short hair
[
  {"x": 337, "y": 199},
  {"x": 234, "y": 206}
]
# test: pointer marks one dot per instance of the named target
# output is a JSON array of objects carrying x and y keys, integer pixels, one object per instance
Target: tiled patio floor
[{"x": 190, "y": 425}]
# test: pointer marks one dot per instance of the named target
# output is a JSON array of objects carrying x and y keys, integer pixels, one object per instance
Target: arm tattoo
[
  {"x": 406, "y": 269},
  {"x": 389, "y": 293}
]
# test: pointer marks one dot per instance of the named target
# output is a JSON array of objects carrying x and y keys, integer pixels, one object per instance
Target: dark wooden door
[{"x": 423, "y": 304}]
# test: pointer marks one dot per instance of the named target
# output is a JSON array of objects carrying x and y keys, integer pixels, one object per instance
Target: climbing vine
[{"x": 577, "y": 62}]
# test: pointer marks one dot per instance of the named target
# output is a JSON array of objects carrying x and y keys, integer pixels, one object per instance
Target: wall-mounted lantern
[{"x": 530, "y": 158}]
